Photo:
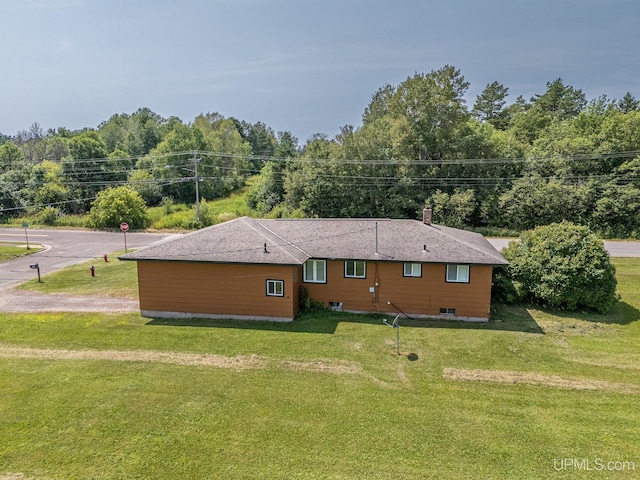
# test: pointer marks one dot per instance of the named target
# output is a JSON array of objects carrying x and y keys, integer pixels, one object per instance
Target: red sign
[{"x": 124, "y": 226}]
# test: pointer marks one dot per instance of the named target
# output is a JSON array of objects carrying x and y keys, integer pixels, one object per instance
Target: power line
[
  {"x": 372, "y": 161},
  {"x": 65, "y": 202}
]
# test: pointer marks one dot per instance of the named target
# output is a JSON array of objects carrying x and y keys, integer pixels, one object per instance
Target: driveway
[
  {"x": 65, "y": 248},
  {"x": 12, "y": 300},
  {"x": 62, "y": 249}
]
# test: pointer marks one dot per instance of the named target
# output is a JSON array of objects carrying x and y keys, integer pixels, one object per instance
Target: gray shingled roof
[{"x": 294, "y": 241}]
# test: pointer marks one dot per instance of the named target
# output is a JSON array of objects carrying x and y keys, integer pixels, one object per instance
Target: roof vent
[
  {"x": 426, "y": 216},
  {"x": 265, "y": 248},
  {"x": 424, "y": 249}
]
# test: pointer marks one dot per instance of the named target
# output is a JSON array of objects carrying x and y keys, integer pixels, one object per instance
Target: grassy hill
[{"x": 169, "y": 216}]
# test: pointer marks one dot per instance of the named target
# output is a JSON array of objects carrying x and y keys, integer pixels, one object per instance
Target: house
[{"x": 256, "y": 269}]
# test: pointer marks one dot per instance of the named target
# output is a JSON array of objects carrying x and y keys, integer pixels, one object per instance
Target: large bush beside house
[
  {"x": 562, "y": 265},
  {"x": 116, "y": 205}
]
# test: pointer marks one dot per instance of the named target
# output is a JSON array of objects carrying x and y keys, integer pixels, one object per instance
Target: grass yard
[
  {"x": 11, "y": 250},
  {"x": 120, "y": 396},
  {"x": 114, "y": 278}
]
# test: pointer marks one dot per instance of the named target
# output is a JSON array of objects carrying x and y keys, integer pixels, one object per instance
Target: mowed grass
[
  {"x": 323, "y": 397},
  {"x": 114, "y": 277},
  {"x": 11, "y": 250}
]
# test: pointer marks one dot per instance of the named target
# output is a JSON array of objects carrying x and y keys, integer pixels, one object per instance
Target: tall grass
[{"x": 163, "y": 217}]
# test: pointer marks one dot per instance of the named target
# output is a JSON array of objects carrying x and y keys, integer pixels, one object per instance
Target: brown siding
[
  {"x": 221, "y": 289},
  {"x": 425, "y": 295}
]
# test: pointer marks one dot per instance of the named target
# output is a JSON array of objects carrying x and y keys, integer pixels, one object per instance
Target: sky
[{"x": 304, "y": 66}]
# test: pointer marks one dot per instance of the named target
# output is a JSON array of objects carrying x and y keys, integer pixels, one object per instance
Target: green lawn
[
  {"x": 120, "y": 396},
  {"x": 11, "y": 250},
  {"x": 114, "y": 278}
]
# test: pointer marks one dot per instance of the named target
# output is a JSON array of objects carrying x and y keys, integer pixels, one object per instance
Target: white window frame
[
  {"x": 458, "y": 273},
  {"x": 312, "y": 268},
  {"x": 411, "y": 271},
  {"x": 272, "y": 288},
  {"x": 355, "y": 269}
]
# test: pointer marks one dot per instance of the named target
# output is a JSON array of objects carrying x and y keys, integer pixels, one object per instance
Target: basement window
[
  {"x": 275, "y": 288},
  {"x": 337, "y": 306},
  {"x": 447, "y": 311}
]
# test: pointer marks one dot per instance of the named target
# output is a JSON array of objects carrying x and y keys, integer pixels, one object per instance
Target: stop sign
[{"x": 124, "y": 226}]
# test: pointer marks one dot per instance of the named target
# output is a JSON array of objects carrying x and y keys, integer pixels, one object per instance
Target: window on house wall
[
  {"x": 447, "y": 311},
  {"x": 275, "y": 288},
  {"x": 412, "y": 270},
  {"x": 315, "y": 271},
  {"x": 355, "y": 269},
  {"x": 458, "y": 273}
]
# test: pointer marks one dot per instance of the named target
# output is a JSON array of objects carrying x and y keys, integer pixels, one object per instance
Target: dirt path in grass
[
  {"x": 531, "y": 378},
  {"x": 239, "y": 362},
  {"x": 16, "y": 301}
]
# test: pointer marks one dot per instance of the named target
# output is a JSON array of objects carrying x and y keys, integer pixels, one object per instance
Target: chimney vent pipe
[{"x": 426, "y": 216}]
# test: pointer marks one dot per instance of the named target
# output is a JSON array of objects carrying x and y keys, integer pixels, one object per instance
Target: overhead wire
[
  {"x": 95, "y": 167},
  {"x": 372, "y": 161}
]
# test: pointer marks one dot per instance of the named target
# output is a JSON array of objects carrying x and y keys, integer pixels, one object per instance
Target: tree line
[
  {"x": 499, "y": 164},
  {"x": 64, "y": 170}
]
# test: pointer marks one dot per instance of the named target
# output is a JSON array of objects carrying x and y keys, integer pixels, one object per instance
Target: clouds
[{"x": 304, "y": 66}]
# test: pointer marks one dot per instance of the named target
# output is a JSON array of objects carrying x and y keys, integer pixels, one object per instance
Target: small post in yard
[
  {"x": 124, "y": 226},
  {"x": 396, "y": 326},
  {"x": 25, "y": 225},
  {"x": 36, "y": 267}
]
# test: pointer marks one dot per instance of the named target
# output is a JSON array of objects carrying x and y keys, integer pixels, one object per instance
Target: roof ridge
[
  {"x": 265, "y": 231},
  {"x": 437, "y": 229}
]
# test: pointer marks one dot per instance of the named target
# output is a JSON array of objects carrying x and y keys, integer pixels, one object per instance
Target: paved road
[
  {"x": 615, "y": 249},
  {"x": 64, "y": 248}
]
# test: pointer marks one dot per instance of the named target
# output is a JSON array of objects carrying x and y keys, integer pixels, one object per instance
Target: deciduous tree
[
  {"x": 562, "y": 266},
  {"x": 116, "y": 205}
]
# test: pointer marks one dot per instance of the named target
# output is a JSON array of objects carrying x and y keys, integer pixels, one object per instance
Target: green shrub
[
  {"x": 503, "y": 289},
  {"x": 167, "y": 204},
  {"x": 116, "y": 205},
  {"x": 48, "y": 215},
  {"x": 562, "y": 265}
]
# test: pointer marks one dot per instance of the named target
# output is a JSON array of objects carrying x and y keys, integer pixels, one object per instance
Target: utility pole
[{"x": 196, "y": 160}]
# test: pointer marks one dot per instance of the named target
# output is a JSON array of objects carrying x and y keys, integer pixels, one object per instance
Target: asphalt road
[
  {"x": 64, "y": 248},
  {"x": 615, "y": 249}
]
